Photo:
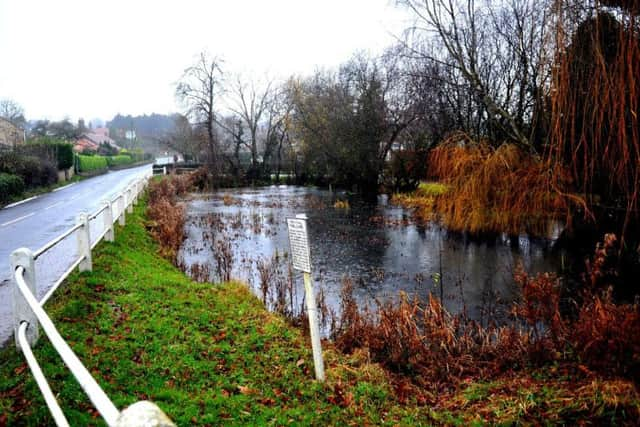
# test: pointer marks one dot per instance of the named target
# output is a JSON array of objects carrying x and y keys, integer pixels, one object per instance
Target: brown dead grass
[
  {"x": 438, "y": 351},
  {"x": 166, "y": 215}
]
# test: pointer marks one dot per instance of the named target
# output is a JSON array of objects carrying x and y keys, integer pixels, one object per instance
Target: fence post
[
  {"x": 108, "y": 221},
  {"x": 136, "y": 189},
  {"x": 23, "y": 257},
  {"x": 121, "y": 203},
  {"x": 143, "y": 413},
  {"x": 84, "y": 243},
  {"x": 129, "y": 200}
]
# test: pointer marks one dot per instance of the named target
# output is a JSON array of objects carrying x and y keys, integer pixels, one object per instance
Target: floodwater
[{"x": 377, "y": 245}]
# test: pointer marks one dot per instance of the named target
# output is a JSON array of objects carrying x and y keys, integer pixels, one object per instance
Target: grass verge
[
  {"x": 41, "y": 190},
  {"x": 212, "y": 355}
]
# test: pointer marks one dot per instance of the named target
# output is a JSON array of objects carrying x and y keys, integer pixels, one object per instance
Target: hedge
[
  {"x": 135, "y": 153},
  {"x": 91, "y": 163},
  {"x": 119, "y": 160},
  {"x": 10, "y": 185},
  {"x": 65, "y": 156},
  {"x": 33, "y": 171},
  {"x": 50, "y": 149}
]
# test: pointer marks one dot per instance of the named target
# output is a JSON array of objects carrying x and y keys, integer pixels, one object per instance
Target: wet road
[{"x": 36, "y": 222}]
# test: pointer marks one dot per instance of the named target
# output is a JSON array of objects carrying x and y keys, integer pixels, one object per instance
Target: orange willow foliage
[
  {"x": 595, "y": 104},
  {"x": 494, "y": 189}
]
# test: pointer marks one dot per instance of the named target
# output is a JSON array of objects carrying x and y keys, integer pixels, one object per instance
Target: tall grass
[
  {"x": 166, "y": 215},
  {"x": 436, "y": 349}
]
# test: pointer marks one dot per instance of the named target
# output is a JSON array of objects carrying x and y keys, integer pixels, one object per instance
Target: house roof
[
  {"x": 99, "y": 138},
  {"x": 84, "y": 143}
]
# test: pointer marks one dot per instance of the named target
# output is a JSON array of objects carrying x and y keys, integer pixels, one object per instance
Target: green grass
[{"x": 431, "y": 189}]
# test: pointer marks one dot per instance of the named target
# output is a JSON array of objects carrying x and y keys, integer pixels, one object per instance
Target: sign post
[{"x": 301, "y": 259}]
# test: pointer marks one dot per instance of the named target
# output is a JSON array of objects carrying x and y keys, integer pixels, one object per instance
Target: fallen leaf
[
  {"x": 245, "y": 390},
  {"x": 267, "y": 401}
]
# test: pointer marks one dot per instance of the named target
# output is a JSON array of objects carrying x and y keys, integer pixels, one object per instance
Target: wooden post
[
  {"x": 22, "y": 312},
  {"x": 314, "y": 329},
  {"x": 301, "y": 259},
  {"x": 108, "y": 220},
  {"x": 84, "y": 243}
]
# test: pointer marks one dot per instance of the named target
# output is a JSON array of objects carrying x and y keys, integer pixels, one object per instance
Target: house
[
  {"x": 10, "y": 135},
  {"x": 83, "y": 144},
  {"x": 92, "y": 140}
]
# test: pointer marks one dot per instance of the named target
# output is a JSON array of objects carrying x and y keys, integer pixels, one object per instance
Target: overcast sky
[{"x": 85, "y": 58}]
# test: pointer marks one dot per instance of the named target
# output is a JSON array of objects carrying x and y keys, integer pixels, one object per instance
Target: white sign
[{"x": 299, "y": 242}]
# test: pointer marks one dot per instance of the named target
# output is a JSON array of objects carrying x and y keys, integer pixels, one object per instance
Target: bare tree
[
  {"x": 232, "y": 143},
  {"x": 250, "y": 103},
  {"x": 497, "y": 51},
  {"x": 278, "y": 126},
  {"x": 185, "y": 138},
  {"x": 199, "y": 90},
  {"x": 12, "y": 111},
  {"x": 351, "y": 120}
]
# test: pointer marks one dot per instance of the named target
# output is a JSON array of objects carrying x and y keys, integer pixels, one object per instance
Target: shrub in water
[{"x": 500, "y": 189}]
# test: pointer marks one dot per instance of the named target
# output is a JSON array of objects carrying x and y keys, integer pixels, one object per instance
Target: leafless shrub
[
  {"x": 224, "y": 259},
  {"x": 200, "y": 272}
]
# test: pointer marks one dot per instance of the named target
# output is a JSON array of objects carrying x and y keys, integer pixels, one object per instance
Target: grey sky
[{"x": 85, "y": 58}]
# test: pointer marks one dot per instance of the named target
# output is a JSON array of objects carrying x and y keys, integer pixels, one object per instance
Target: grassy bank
[{"x": 212, "y": 355}]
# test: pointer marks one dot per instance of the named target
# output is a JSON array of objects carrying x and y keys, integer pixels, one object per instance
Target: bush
[
  {"x": 50, "y": 149},
  {"x": 65, "y": 156},
  {"x": 500, "y": 189},
  {"x": 119, "y": 160},
  {"x": 91, "y": 163},
  {"x": 10, "y": 185},
  {"x": 166, "y": 216},
  {"x": 33, "y": 171}
]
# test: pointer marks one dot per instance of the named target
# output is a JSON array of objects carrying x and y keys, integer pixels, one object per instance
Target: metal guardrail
[{"x": 29, "y": 315}]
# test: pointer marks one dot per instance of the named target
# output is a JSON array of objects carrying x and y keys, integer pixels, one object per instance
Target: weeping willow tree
[{"x": 595, "y": 98}]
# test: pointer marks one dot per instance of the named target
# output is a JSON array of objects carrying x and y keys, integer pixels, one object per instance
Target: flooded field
[{"x": 377, "y": 245}]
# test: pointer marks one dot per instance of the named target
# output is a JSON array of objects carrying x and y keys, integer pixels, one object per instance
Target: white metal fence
[{"x": 29, "y": 313}]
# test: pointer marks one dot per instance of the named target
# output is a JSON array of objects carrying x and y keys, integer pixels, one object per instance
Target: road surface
[{"x": 36, "y": 222}]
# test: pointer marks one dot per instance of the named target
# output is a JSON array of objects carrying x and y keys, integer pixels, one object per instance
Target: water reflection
[{"x": 378, "y": 245}]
